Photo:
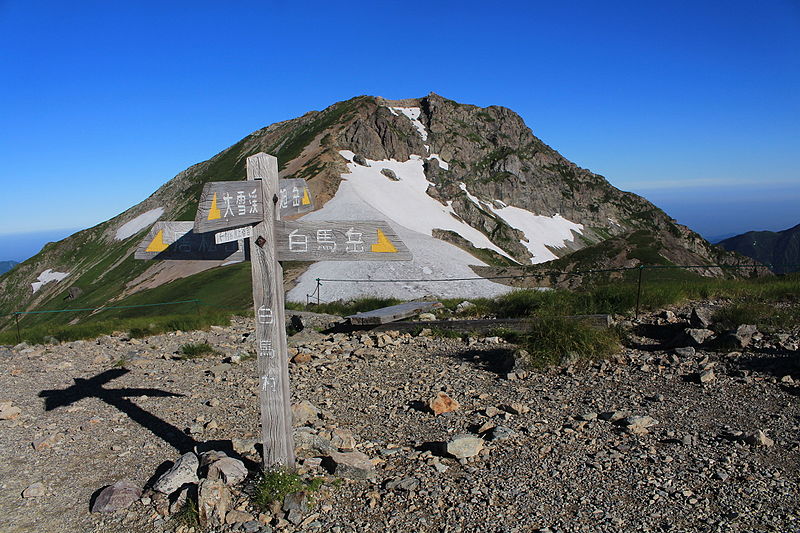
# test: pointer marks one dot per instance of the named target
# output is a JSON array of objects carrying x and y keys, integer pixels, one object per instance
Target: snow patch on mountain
[
  {"x": 432, "y": 259},
  {"x": 406, "y": 200},
  {"x": 46, "y": 277},
  {"x": 442, "y": 164},
  {"x": 132, "y": 227},
  {"x": 413, "y": 114},
  {"x": 540, "y": 231}
]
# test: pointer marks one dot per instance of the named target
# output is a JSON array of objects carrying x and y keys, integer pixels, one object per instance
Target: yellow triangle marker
[
  {"x": 213, "y": 213},
  {"x": 306, "y": 199},
  {"x": 384, "y": 245},
  {"x": 157, "y": 244}
]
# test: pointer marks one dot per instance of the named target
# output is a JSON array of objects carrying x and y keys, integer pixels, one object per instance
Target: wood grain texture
[
  {"x": 268, "y": 300},
  {"x": 339, "y": 241},
  {"x": 181, "y": 243},
  {"x": 392, "y": 313}
]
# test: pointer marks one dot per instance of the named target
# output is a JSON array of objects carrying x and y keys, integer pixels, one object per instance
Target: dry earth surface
[{"x": 560, "y": 450}]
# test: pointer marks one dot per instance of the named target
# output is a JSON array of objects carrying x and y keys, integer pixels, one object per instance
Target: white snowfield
[
  {"x": 132, "y": 227},
  {"x": 413, "y": 114},
  {"x": 540, "y": 231},
  {"x": 433, "y": 259},
  {"x": 46, "y": 277},
  {"x": 406, "y": 201}
]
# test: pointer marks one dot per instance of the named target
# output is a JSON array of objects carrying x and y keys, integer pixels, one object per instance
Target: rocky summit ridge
[{"x": 503, "y": 195}]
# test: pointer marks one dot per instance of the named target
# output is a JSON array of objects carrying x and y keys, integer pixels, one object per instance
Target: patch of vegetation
[
  {"x": 765, "y": 316},
  {"x": 197, "y": 350},
  {"x": 188, "y": 516},
  {"x": 136, "y": 327},
  {"x": 274, "y": 485},
  {"x": 555, "y": 340},
  {"x": 346, "y": 307}
]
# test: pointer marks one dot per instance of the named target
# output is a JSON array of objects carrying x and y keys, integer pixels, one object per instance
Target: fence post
[
  {"x": 318, "y": 289},
  {"x": 16, "y": 319},
  {"x": 639, "y": 290}
]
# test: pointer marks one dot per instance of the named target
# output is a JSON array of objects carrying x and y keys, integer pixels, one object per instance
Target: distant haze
[{"x": 21, "y": 246}]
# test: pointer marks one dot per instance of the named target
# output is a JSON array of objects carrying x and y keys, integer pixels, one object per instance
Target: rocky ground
[{"x": 660, "y": 439}]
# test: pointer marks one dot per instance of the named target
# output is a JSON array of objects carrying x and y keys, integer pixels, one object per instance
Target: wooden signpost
[{"x": 228, "y": 213}]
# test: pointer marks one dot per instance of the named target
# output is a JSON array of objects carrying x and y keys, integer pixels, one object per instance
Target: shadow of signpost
[{"x": 118, "y": 398}]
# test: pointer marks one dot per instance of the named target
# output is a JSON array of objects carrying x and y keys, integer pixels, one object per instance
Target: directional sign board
[
  {"x": 362, "y": 240},
  {"x": 228, "y": 204},
  {"x": 235, "y": 234},
  {"x": 177, "y": 241},
  {"x": 294, "y": 197},
  {"x": 232, "y": 204}
]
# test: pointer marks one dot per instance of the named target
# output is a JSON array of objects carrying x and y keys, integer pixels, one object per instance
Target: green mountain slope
[
  {"x": 778, "y": 249},
  {"x": 490, "y": 150}
]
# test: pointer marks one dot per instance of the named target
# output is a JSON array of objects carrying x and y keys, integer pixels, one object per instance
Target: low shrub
[
  {"x": 274, "y": 485},
  {"x": 556, "y": 340},
  {"x": 200, "y": 349}
]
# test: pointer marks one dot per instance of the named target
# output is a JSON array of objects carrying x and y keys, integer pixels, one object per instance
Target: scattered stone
[
  {"x": 43, "y": 443},
  {"x": 587, "y": 417},
  {"x": 462, "y": 446},
  {"x": 465, "y": 307},
  {"x": 213, "y": 402},
  {"x": 427, "y": 317},
  {"x": 9, "y": 411},
  {"x": 758, "y": 438},
  {"x": 389, "y": 173},
  {"x": 231, "y": 471},
  {"x": 516, "y": 408},
  {"x": 244, "y": 446},
  {"x": 407, "y": 484},
  {"x": 492, "y": 411},
  {"x": 182, "y": 472},
  {"x": 118, "y": 496},
  {"x": 296, "y": 500},
  {"x": 351, "y": 465},
  {"x": 34, "y": 490},
  {"x": 304, "y": 412},
  {"x": 301, "y": 358},
  {"x": 707, "y": 375},
  {"x": 744, "y": 335},
  {"x": 360, "y": 160},
  {"x": 343, "y": 440},
  {"x": 685, "y": 351},
  {"x": 638, "y": 424},
  {"x": 613, "y": 416},
  {"x": 442, "y": 403},
  {"x": 501, "y": 433},
  {"x": 213, "y": 501},
  {"x": 235, "y": 517},
  {"x": 694, "y": 337},
  {"x": 701, "y": 317}
]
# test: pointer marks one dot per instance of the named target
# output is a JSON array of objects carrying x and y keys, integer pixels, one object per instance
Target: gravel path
[{"x": 568, "y": 455}]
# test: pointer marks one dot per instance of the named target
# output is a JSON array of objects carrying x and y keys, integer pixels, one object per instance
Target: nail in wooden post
[{"x": 268, "y": 300}]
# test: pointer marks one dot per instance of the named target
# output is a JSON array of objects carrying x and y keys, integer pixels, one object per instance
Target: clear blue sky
[{"x": 695, "y": 105}]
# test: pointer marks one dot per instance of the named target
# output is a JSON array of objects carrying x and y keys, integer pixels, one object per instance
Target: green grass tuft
[
  {"x": 194, "y": 351},
  {"x": 274, "y": 485},
  {"x": 555, "y": 340}
]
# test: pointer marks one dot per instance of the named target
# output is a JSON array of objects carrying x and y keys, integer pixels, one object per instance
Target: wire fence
[{"x": 316, "y": 298}]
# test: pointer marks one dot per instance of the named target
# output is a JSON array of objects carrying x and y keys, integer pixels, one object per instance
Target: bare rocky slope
[
  {"x": 492, "y": 160},
  {"x": 657, "y": 439}
]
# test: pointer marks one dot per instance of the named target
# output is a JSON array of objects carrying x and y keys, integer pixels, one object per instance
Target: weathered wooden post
[
  {"x": 268, "y": 300},
  {"x": 230, "y": 212}
]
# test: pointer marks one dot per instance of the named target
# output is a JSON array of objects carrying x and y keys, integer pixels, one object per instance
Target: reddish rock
[{"x": 442, "y": 403}]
